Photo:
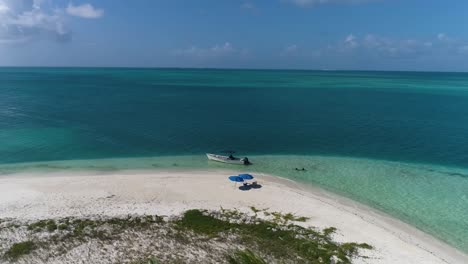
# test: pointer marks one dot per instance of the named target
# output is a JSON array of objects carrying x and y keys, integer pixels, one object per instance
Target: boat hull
[{"x": 225, "y": 159}]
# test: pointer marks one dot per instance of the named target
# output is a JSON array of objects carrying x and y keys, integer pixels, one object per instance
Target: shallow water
[
  {"x": 414, "y": 193},
  {"x": 340, "y": 126}
]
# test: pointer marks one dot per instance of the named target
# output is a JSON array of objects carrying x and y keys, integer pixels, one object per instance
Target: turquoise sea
[{"x": 397, "y": 141}]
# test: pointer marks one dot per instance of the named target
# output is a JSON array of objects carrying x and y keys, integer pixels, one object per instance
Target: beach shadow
[
  {"x": 256, "y": 186},
  {"x": 245, "y": 187},
  {"x": 249, "y": 187}
]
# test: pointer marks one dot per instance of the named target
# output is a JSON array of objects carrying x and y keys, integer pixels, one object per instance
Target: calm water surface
[{"x": 396, "y": 141}]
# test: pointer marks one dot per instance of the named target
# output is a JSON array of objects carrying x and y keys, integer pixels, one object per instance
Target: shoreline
[
  {"x": 397, "y": 227},
  {"x": 62, "y": 194}
]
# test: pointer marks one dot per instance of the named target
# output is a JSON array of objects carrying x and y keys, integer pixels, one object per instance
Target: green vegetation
[
  {"x": 82, "y": 228},
  {"x": 50, "y": 225},
  {"x": 203, "y": 224},
  {"x": 227, "y": 235},
  {"x": 63, "y": 227},
  {"x": 19, "y": 249},
  {"x": 276, "y": 238},
  {"x": 329, "y": 231},
  {"x": 245, "y": 257},
  {"x": 255, "y": 210},
  {"x": 279, "y": 217}
]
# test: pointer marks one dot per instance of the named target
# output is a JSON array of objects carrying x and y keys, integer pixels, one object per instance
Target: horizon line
[{"x": 233, "y": 68}]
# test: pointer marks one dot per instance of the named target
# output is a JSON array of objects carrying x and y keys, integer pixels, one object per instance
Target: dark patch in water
[
  {"x": 457, "y": 174},
  {"x": 49, "y": 166},
  {"x": 104, "y": 168},
  {"x": 449, "y": 173}
]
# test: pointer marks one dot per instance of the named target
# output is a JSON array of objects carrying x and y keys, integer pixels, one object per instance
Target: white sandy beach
[{"x": 41, "y": 196}]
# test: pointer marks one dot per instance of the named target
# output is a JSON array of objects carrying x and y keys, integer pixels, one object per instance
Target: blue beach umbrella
[
  {"x": 236, "y": 179},
  {"x": 246, "y": 176}
]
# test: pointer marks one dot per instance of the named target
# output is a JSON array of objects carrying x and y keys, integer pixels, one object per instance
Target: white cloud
[
  {"x": 350, "y": 41},
  {"x": 384, "y": 46},
  {"x": 27, "y": 20},
  {"x": 84, "y": 11},
  {"x": 376, "y": 46},
  {"x": 290, "y": 51},
  {"x": 441, "y": 36},
  {"x": 213, "y": 52},
  {"x": 12, "y": 41},
  {"x": 37, "y": 4},
  {"x": 20, "y": 25},
  {"x": 3, "y": 8},
  {"x": 248, "y": 5},
  {"x": 227, "y": 47}
]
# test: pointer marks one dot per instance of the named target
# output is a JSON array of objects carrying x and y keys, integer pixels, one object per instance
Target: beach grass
[
  {"x": 278, "y": 238},
  {"x": 18, "y": 250},
  {"x": 229, "y": 235}
]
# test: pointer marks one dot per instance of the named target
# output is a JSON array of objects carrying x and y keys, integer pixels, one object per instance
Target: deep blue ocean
[
  {"x": 56, "y": 114},
  {"x": 397, "y": 141}
]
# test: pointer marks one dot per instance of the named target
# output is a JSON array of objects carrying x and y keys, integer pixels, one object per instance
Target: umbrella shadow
[
  {"x": 247, "y": 187},
  {"x": 256, "y": 186}
]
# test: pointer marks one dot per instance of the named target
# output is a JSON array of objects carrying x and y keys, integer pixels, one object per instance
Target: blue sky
[{"x": 305, "y": 34}]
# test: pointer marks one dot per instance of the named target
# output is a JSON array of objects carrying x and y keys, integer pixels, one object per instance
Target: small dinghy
[{"x": 228, "y": 159}]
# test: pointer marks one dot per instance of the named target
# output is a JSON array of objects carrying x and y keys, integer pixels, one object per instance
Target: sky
[{"x": 418, "y": 35}]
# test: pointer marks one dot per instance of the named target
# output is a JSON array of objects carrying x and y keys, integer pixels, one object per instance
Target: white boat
[{"x": 228, "y": 159}]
